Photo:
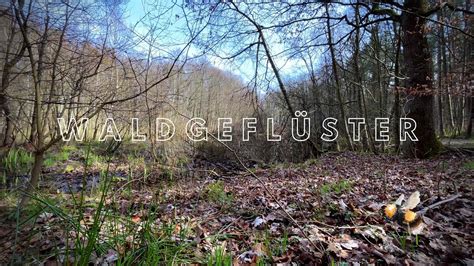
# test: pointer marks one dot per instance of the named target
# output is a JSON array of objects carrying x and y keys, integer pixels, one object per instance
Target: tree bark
[
  {"x": 35, "y": 176},
  {"x": 468, "y": 68},
  {"x": 419, "y": 87},
  {"x": 7, "y": 137},
  {"x": 440, "y": 82}
]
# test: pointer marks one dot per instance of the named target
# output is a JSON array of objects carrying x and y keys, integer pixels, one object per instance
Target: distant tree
[{"x": 76, "y": 56}]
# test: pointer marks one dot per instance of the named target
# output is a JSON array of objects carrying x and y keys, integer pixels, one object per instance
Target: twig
[
  {"x": 439, "y": 203},
  {"x": 342, "y": 227},
  {"x": 320, "y": 248},
  {"x": 227, "y": 226},
  {"x": 142, "y": 178}
]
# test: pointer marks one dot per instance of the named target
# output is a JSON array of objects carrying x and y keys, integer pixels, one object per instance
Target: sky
[{"x": 243, "y": 67}]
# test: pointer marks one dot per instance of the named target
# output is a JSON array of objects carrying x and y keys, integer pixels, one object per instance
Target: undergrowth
[
  {"x": 90, "y": 229},
  {"x": 337, "y": 187},
  {"x": 17, "y": 162},
  {"x": 216, "y": 193}
]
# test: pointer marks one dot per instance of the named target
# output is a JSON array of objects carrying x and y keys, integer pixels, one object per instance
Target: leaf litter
[{"x": 338, "y": 201}]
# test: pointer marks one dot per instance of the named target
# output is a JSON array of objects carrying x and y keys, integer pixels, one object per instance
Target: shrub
[{"x": 214, "y": 151}]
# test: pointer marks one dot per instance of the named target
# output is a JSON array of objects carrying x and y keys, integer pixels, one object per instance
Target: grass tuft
[
  {"x": 17, "y": 162},
  {"x": 217, "y": 194}
]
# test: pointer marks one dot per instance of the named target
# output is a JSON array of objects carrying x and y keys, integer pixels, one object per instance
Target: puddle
[
  {"x": 64, "y": 183},
  {"x": 75, "y": 183}
]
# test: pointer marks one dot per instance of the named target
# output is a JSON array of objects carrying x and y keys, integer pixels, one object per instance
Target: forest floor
[{"x": 128, "y": 213}]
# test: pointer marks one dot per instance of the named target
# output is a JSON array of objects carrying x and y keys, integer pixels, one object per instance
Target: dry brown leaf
[{"x": 412, "y": 201}]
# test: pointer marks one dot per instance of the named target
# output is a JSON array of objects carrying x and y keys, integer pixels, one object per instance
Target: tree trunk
[
  {"x": 338, "y": 87},
  {"x": 315, "y": 150},
  {"x": 419, "y": 87},
  {"x": 440, "y": 81},
  {"x": 7, "y": 137},
  {"x": 467, "y": 82},
  {"x": 360, "y": 87},
  {"x": 396, "y": 102},
  {"x": 35, "y": 176},
  {"x": 377, "y": 56},
  {"x": 470, "y": 114},
  {"x": 444, "y": 59}
]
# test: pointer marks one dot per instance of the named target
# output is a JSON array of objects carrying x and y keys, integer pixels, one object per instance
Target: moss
[
  {"x": 69, "y": 168},
  {"x": 437, "y": 146},
  {"x": 423, "y": 149},
  {"x": 469, "y": 165},
  {"x": 336, "y": 187},
  {"x": 60, "y": 156}
]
